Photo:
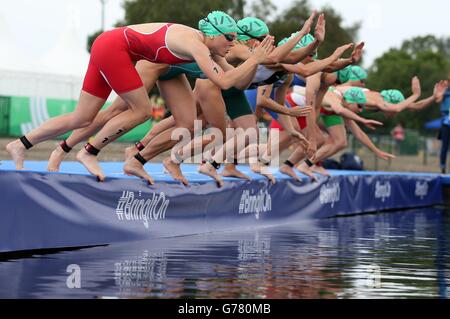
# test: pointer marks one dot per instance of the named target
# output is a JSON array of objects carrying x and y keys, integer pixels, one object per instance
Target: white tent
[
  {"x": 10, "y": 56},
  {"x": 69, "y": 55},
  {"x": 60, "y": 71}
]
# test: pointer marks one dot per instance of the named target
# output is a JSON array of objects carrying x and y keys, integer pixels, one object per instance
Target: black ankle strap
[
  {"x": 91, "y": 149},
  {"x": 66, "y": 148},
  {"x": 309, "y": 163},
  {"x": 140, "y": 159},
  {"x": 139, "y": 146},
  {"x": 289, "y": 163},
  {"x": 26, "y": 142},
  {"x": 214, "y": 164}
]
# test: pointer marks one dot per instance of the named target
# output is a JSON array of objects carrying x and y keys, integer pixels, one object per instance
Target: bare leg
[
  {"x": 83, "y": 134},
  {"x": 157, "y": 129},
  {"x": 209, "y": 97},
  {"x": 284, "y": 168},
  {"x": 248, "y": 122},
  {"x": 285, "y": 140},
  {"x": 140, "y": 111},
  {"x": 149, "y": 73},
  {"x": 336, "y": 142},
  {"x": 173, "y": 167},
  {"x": 296, "y": 157},
  {"x": 289, "y": 171},
  {"x": 184, "y": 112},
  {"x": 86, "y": 110}
]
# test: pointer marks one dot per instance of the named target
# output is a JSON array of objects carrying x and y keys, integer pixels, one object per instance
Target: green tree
[
  {"x": 427, "y": 57},
  {"x": 187, "y": 12},
  {"x": 336, "y": 33},
  {"x": 263, "y": 9}
]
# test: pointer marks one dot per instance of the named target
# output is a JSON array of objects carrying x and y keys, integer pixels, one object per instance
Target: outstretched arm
[
  {"x": 242, "y": 75},
  {"x": 438, "y": 93},
  {"x": 445, "y": 85},
  {"x": 336, "y": 104},
  {"x": 309, "y": 69},
  {"x": 284, "y": 52},
  {"x": 319, "y": 36},
  {"x": 397, "y": 108},
  {"x": 365, "y": 140},
  {"x": 342, "y": 63},
  {"x": 264, "y": 100}
]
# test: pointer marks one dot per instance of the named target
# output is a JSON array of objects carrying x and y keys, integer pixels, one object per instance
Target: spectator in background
[
  {"x": 158, "y": 107},
  {"x": 445, "y": 127},
  {"x": 159, "y": 110},
  {"x": 398, "y": 134}
]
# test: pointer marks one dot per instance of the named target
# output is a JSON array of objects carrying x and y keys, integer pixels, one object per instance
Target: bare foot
[
  {"x": 304, "y": 169},
  {"x": 289, "y": 171},
  {"x": 231, "y": 171},
  {"x": 133, "y": 168},
  {"x": 320, "y": 170},
  {"x": 174, "y": 170},
  {"x": 91, "y": 163},
  {"x": 54, "y": 162},
  {"x": 209, "y": 170},
  {"x": 256, "y": 168},
  {"x": 130, "y": 152},
  {"x": 17, "y": 152},
  {"x": 264, "y": 171}
]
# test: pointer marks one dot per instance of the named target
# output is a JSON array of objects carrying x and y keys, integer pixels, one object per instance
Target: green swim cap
[
  {"x": 351, "y": 73},
  {"x": 305, "y": 41},
  {"x": 355, "y": 95},
  {"x": 297, "y": 46},
  {"x": 251, "y": 27},
  {"x": 219, "y": 20},
  {"x": 392, "y": 96}
]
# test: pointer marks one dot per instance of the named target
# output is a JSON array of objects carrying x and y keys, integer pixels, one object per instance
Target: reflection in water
[{"x": 391, "y": 255}]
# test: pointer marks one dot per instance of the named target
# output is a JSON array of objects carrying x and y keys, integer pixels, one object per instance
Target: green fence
[
  {"x": 417, "y": 152},
  {"x": 5, "y": 102},
  {"x": 19, "y": 115}
]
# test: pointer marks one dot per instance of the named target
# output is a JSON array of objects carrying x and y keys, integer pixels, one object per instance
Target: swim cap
[
  {"x": 220, "y": 20},
  {"x": 351, "y": 73},
  {"x": 355, "y": 95},
  {"x": 392, "y": 96},
  {"x": 305, "y": 41},
  {"x": 251, "y": 26},
  {"x": 296, "y": 47}
]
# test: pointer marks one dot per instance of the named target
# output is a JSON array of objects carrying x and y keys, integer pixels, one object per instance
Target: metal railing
[{"x": 417, "y": 153}]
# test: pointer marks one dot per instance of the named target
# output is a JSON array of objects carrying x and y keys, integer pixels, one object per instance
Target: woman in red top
[{"x": 111, "y": 67}]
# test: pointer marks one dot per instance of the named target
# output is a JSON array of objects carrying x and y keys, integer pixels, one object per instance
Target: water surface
[{"x": 390, "y": 255}]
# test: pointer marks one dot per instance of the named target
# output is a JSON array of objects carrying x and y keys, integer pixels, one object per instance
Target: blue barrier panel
[{"x": 53, "y": 210}]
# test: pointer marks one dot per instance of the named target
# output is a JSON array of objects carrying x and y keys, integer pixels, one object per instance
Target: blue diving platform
[{"x": 43, "y": 210}]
